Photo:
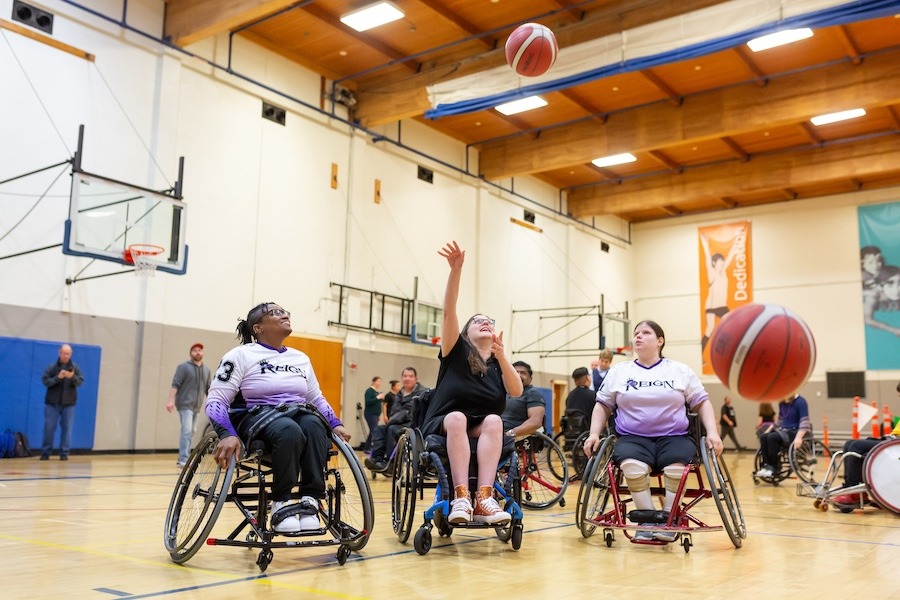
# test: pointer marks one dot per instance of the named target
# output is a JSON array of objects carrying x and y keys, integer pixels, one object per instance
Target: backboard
[
  {"x": 426, "y": 325},
  {"x": 106, "y": 217}
]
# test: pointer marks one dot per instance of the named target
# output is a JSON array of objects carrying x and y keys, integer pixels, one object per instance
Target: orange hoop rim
[{"x": 133, "y": 250}]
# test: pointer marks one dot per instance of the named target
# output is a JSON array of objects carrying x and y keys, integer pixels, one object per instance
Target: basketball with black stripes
[
  {"x": 531, "y": 49},
  {"x": 762, "y": 352}
]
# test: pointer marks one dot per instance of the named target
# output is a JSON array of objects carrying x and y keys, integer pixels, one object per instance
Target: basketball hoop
[
  {"x": 623, "y": 350},
  {"x": 140, "y": 256},
  {"x": 435, "y": 341}
]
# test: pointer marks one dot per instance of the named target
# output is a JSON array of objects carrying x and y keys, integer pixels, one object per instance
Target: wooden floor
[{"x": 92, "y": 527}]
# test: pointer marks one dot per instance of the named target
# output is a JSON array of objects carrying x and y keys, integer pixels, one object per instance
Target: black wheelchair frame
[
  {"x": 203, "y": 488},
  {"x": 803, "y": 462}
]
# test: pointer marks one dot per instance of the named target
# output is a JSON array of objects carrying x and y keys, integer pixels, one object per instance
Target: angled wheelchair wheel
[
  {"x": 557, "y": 469},
  {"x": 593, "y": 495},
  {"x": 357, "y": 510},
  {"x": 579, "y": 459},
  {"x": 540, "y": 488},
  {"x": 812, "y": 456},
  {"x": 404, "y": 484},
  {"x": 881, "y": 472},
  {"x": 197, "y": 500},
  {"x": 722, "y": 490},
  {"x": 776, "y": 478}
]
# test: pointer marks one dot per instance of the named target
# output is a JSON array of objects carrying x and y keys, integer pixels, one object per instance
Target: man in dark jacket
[
  {"x": 61, "y": 378},
  {"x": 384, "y": 437}
]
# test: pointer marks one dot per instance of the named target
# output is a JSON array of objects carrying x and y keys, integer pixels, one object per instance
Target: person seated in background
[
  {"x": 791, "y": 425},
  {"x": 384, "y": 438},
  {"x": 266, "y": 374},
  {"x": 853, "y": 465},
  {"x": 579, "y": 406},
  {"x": 765, "y": 422},
  {"x": 523, "y": 414},
  {"x": 651, "y": 396}
]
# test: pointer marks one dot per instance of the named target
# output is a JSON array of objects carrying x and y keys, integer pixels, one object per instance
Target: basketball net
[{"x": 143, "y": 266}]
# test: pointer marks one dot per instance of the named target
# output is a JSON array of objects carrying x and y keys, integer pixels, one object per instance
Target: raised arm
[{"x": 450, "y": 325}]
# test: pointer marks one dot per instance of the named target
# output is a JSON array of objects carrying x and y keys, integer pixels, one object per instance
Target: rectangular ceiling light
[
  {"x": 779, "y": 38},
  {"x": 517, "y": 106},
  {"x": 615, "y": 159},
  {"x": 371, "y": 16},
  {"x": 843, "y": 115}
]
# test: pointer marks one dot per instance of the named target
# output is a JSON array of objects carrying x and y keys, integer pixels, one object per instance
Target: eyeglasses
[
  {"x": 278, "y": 312},
  {"x": 483, "y": 320}
]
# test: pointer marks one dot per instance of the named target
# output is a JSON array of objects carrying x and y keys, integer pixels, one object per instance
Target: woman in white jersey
[
  {"x": 651, "y": 395},
  {"x": 263, "y": 373}
]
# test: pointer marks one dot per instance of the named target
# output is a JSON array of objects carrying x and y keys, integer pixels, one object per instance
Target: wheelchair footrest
[{"x": 648, "y": 516}]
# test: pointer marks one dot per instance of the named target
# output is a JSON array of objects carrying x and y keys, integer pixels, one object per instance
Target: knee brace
[
  {"x": 672, "y": 476},
  {"x": 636, "y": 474}
]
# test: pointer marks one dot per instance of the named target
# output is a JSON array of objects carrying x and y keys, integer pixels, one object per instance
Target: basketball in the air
[
  {"x": 531, "y": 49},
  {"x": 762, "y": 352}
]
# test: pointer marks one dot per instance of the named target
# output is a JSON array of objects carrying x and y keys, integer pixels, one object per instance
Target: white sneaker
[
  {"x": 764, "y": 473},
  {"x": 309, "y": 522},
  {"x": 643, "y": 535},
  {"x": 460, "y": 510},
  {"x": 290, "y": 524},
  {"x": 665, "y": 536}
]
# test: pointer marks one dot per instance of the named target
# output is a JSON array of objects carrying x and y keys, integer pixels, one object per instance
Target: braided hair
[{"x": 245, "y": 326}]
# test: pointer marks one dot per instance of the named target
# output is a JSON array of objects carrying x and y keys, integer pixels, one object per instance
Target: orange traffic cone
[
  {"x": 876, "y": 426},
  {"x": 825, "y": 431},
  {"x": 854, "y": 429},
  {"x": 888, "y": 422}
]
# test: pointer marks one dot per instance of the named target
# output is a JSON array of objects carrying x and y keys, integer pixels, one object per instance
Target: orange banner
[{"x": 726, "y": 276}]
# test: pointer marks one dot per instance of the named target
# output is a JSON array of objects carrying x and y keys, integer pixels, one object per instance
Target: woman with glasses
[
  {"x": 474, "y": 379},
  {"x": 262, "y": 373}
]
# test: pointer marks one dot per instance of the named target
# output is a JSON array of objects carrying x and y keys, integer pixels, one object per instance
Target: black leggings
[
  {"x": 298, "y": 445},
  {"x": 852, "y": 465}
]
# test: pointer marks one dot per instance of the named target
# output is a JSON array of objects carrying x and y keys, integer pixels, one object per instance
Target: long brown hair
[{"x": 476, "y": 363}]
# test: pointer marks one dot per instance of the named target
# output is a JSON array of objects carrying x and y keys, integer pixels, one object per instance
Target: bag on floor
[{"x": 23, "y": 450}]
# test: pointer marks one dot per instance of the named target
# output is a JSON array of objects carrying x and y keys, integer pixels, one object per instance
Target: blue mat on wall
[{"x": 22, "y": 363}]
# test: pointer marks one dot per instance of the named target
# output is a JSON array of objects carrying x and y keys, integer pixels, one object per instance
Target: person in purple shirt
[
  {"x": 265, "y": 373},
  {"x": 651, "y": 395}
]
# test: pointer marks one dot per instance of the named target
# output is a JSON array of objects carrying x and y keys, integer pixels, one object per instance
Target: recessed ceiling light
[
  {"x": 843, "y": 115},
  {"x": 343, "y": 53},
  {"x": 615, "y": 159},
  {"x": 371, "y": 16},
  {"x": 517, "y": 106},
  {"x": 615, "y": 88},
  {"x": 779, "y": 38}
]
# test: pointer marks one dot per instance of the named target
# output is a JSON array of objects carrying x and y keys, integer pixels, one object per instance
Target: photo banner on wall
[
  {"x": 879, "y": 255},
  {"x": 726, "y": 276}
]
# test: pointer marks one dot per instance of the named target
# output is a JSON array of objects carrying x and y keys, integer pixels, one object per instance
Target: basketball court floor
[{"x": 92, "y": 528}]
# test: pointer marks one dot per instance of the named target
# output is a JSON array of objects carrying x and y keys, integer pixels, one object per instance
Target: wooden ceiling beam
[
  {"x": 771, "y": 173},
  {"x": 895, "y": 115},
  {"x": 672, "y": 97},
  {"x": 761, "y": 78},
  {"x": 384, "y": 100},
  {"x": 438, "y": 7},
  {"x": 853, "y": 52},
  {"x": 661, "y": 157},
  {"x": 810, "y": 131},
  {"x": 723, "y": 112},
  {"x": 736, "y": 148},
  {"x": 189, "y": 21}
]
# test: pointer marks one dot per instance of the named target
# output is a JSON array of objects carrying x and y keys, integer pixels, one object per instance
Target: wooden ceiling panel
[{"x": 710, "y": 133}]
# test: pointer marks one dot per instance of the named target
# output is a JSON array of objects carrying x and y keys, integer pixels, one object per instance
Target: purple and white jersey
[
  {"x": 264, "y": 376},
  {"x": 650, "y": 401}
]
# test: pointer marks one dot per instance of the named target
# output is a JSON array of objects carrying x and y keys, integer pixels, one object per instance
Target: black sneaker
[{"x": 375, "y": 465}]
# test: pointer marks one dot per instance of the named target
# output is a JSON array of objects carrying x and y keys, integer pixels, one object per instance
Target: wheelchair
[
  {"x": 803, "y": 462},
  {"x": 203, "y": 489},
  {"x": 880, "y": 474},
  {"x": 574, "y": 430},
  {"x": 543, "y": 471},
  {"x": 603, "y": 499},
  {"x": 421, "y": 464}
]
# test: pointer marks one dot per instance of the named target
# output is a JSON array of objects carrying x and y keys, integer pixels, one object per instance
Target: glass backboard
[{"x": 108, "y": 218}]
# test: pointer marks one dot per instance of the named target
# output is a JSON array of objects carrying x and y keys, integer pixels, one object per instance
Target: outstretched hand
[
  {"x": 455, "y": 257},
  {"x": 497, "y": 344}
]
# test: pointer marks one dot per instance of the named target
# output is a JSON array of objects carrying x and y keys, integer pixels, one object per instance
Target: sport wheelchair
[
  {"x": 420, "y": 464},
  {"x": 543, "y": 471},
  {"x": 203, "y": 488},
  {"x": 803, "y": 462},
  {"x": 880, "y": 475},
  {"x": 603, "y": 499},
  {"x": 574, "y": 430}
]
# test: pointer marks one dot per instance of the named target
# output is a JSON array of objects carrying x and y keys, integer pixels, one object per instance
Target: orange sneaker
[{"x": 487, "y": 510}]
